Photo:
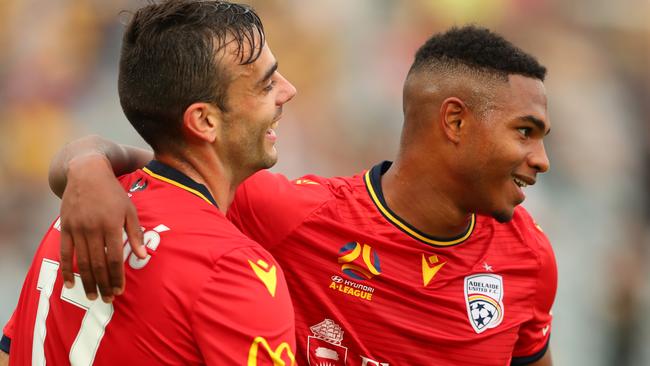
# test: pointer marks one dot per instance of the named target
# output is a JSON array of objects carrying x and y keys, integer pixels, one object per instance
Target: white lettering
[{"x": 151, "y": 241}]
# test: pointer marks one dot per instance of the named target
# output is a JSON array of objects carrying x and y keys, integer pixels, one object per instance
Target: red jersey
[
  {"x": 206, "y": 294},
  {"x": 370, "y": 289}
]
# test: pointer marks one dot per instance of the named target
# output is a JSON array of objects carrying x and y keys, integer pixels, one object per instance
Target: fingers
[
  {"x": 83, "y": 264},
  {"x": 97, "y": 254},
  {"x": 66, "y": 258},
  {"x": 132, "y": 226},
  {"x": 115, "y": 260}
]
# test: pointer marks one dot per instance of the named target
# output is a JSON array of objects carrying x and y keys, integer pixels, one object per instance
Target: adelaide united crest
[{"x": 484, "y": 299}]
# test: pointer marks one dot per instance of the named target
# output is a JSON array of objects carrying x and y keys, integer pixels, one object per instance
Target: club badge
[{"x": 484, "y": 299}]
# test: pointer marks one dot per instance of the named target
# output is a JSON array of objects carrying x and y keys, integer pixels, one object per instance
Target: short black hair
[
  {"x": 168, "y": 61},
  {"x": 479, "y": 49}
]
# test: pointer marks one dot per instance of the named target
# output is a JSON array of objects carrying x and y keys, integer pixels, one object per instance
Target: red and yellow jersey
[
  {"x": 205, "y": 294},
  {"x": 370, "y": 289}
]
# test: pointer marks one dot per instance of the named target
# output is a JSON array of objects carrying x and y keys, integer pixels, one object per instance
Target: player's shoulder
[
  {"x": 276, "y": 191},
  {"x": 211, "y": 243},
  {"x": 130, "y": 180},
  {"x": 248, "y": 250},
  {"x": 309, "y": 183},
  {"x": 534, "y": 235},
  {"x": 335, "y": 186},
  {"x": 523, "y": 219},
  {"x": 219, "y": 235}
]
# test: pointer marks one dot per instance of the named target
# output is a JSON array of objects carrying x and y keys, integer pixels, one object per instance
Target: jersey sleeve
[
  {"x": 268, "y": 207},
  {"x": 534, "y": 335},
  {"x": 243, "y": 315}
]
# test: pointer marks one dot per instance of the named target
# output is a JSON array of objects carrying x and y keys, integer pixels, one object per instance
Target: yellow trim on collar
[
  {"x": 405, "y": 227},
  {"x": 173, "y": 182}
]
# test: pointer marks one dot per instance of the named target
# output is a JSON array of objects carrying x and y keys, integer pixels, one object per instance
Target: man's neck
[
  {"x": 208, "y": 170},
  {"x": 423, "y": 201}
]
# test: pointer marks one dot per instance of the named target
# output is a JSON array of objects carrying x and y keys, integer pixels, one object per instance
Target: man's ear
[
  {"x": 453, "y": 118},
  {"x": 201, "y": 121}
]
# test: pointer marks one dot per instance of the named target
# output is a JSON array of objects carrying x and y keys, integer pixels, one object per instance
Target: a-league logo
[
  {"x": 359, "y": 261},
  {"x": 484, "y": 300}
]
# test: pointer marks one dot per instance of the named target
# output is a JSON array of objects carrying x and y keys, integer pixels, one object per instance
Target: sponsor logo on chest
[{"x": 359, "y": 263}]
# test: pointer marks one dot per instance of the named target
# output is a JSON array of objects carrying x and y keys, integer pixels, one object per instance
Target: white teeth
[{"x": 520, "y": 183}]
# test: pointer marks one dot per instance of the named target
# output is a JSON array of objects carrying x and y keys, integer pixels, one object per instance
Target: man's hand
[{"x": 94, "y": 211}]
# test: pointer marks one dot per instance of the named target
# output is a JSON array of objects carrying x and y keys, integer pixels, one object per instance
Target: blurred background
[{"x": 348, "y": 59}]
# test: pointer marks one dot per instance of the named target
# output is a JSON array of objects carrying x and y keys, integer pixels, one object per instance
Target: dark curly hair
[
  {"x": 169, "y": 61},
  {"x": 478, "y": 49}
]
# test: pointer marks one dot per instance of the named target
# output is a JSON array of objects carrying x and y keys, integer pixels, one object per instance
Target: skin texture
[
  {"x": 470, "y": 158},
  {"x": 505, "y": 144},
  {"x": 252, "y": 112},
  {"x": 4, "y": 359}
]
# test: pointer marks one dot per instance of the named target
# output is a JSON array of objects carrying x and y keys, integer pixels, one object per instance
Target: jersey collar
[
  {"x": 172, "y": 176},
  {"x": 372, "y": 179}
]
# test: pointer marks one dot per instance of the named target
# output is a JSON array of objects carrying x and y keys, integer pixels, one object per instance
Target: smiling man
[{"x": 427, "y": 260}]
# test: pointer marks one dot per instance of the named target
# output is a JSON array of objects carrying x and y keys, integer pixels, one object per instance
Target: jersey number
[{"x": 98, "y": 315}]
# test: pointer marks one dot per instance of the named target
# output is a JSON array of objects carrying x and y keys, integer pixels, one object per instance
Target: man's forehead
[
  {"x": 525, "y": 95},
  {"x": 231, "y": 59},
  {"x": 527, "y": 88}
]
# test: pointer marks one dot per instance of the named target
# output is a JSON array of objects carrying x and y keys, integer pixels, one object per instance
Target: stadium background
[{"x": 348, "y": 60}]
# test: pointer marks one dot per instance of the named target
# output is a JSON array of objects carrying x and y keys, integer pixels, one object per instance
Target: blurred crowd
[{"x": 348, "y": 60}]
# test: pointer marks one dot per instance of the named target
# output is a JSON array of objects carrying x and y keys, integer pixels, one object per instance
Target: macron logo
[
  {"x": 430, "y": 268},
  {"x": 267, "y": 274}
]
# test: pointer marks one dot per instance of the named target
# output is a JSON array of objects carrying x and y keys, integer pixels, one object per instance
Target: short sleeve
[
  {"x": 534, "y": 335},
  {"x": 244, "y": 312},
  {"x": 268, "y": 207}
]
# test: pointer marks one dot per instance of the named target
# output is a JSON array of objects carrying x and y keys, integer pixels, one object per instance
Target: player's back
[{"x": 205, "y": 294}]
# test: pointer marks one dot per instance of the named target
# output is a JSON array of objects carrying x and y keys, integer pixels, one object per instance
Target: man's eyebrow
[
  {"x": 541, "y": 125},
  {"x": 268, "y": 73}
]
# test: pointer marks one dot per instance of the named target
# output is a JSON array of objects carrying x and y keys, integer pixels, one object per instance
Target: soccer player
[
  {"x": 428, "y": 260},
  {"x": 199, "y": 83}
]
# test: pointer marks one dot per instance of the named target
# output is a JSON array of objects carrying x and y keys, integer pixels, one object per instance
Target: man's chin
[{"x": 269, "y": 160}]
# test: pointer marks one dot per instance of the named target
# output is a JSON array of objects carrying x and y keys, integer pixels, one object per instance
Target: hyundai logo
[{"x": 337, "y": 279}]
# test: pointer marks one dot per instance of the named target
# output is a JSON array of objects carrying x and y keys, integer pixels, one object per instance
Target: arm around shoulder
[
  {"x": 90, "y": 151},
  {"x": 94, "y": 211}
]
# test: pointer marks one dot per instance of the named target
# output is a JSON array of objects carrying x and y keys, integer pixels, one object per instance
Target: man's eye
[
  {"x": 269, "y": 87},
  {"x": 525, "y": 131}
]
